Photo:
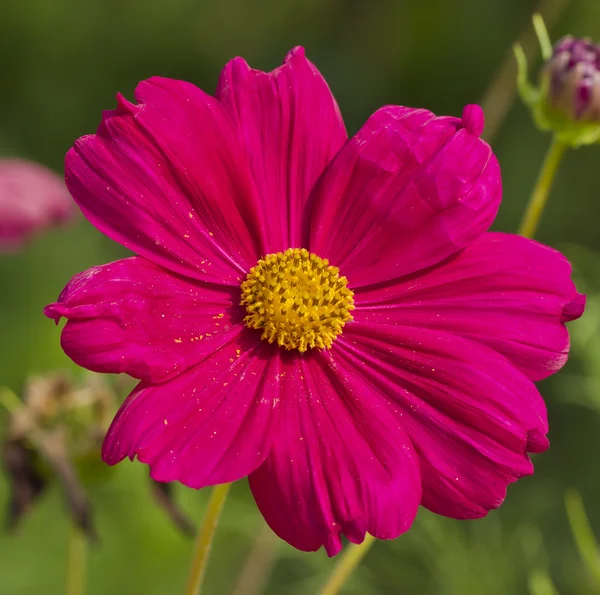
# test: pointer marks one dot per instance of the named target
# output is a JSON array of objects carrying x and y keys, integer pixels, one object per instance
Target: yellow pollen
[{"x": 297, "y": 300}]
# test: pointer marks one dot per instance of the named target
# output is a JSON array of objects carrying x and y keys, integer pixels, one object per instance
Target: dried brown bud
[
  {"x": 59, "y": 426},
  {"x": 56, "y": 433},
  {"x": 25, "y": 480}
]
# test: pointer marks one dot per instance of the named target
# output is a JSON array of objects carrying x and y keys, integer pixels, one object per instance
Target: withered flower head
[{"x": 56, "y": 433}]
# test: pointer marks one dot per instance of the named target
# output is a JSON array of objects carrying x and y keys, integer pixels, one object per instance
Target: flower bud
[
  {"x": 574, "y": 75},
  {"x": 567, "y": 100}
]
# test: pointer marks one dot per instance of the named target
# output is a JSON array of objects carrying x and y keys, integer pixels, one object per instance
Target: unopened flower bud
[
  {"x": 567, "y": 99},
  {"x": 574, "y": 75}
]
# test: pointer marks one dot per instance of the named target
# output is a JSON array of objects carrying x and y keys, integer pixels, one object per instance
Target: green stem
[
  {"x": 76, "y": 561},
  {"x": 259, "y": 564},
  {"x": 584, "y": 536},
  {"x": 540, "y": 583},
  {"x": 205, "y": 537},
  {"x": 349, "y": 561},
  {"x": 539, "y": 196}
]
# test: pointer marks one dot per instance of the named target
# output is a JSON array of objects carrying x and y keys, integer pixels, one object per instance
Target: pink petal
[
  {"x": 507, "y": 292},
  {"x": 32, "y": 198},
  {"x": 291, "y": 128},
  {"x": 168, "y": 179},
  {"x": 408, "y": 191},
  {"x": 470, "y": 414},
  {"x": 340, "y": 463},
  {"x": 213, "y": 424},
  {"x": 574, "y": 309},
  {"x": 132, "y": 316}
]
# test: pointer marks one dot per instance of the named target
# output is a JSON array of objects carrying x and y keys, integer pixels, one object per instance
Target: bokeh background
[{"x": 62, "y": 62}]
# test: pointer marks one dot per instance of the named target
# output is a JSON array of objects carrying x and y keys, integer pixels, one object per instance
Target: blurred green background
[{"x": 62, "y": 62}]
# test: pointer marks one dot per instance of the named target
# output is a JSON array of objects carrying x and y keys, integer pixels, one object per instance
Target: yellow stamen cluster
[{"x": 297, "y": 300}]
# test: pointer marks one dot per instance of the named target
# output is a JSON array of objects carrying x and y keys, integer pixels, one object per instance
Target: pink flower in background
[
  {"x": 32, "y": 198},
  {"x": 328, "y": 316}
]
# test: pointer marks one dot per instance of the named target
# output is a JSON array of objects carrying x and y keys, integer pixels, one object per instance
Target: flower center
[{"x": 297, "y": 300}]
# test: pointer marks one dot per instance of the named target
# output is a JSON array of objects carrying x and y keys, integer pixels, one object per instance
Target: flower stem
[
  {"x": 76, "y": 561},
  {"x": 539, "y": 197},
  {"x": 350, "y": 559},
  {"x": 205, "y": 538},
  {"x": 540, "y": 583},
  {"x": 584, "y": 536},
  {"x": 259, "y": 564}
]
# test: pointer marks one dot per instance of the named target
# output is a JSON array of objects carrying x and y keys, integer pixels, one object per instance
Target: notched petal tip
[
  {"x": 124, "y": 106},
  {"x": 473, "y": 119},
  {"x": 354, "y": 531},
  {"x": 111, "y": 455},
  {"x": 238, "y": 63},
  {"x": 111, "y": 460},
  {"x": 333, "y": 544},
  {"x": 53, "y": 312},
  {"x": 537, "y": 442},
  {"x": 573, "y": 309},
  {"x": 296, "y": 52},
  {"x": 145, "y": 90}
]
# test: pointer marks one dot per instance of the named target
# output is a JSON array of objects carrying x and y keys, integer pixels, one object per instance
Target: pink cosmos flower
[
  {"x": 400, "y": 374},
  {"x": 32, "y": 198}
]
